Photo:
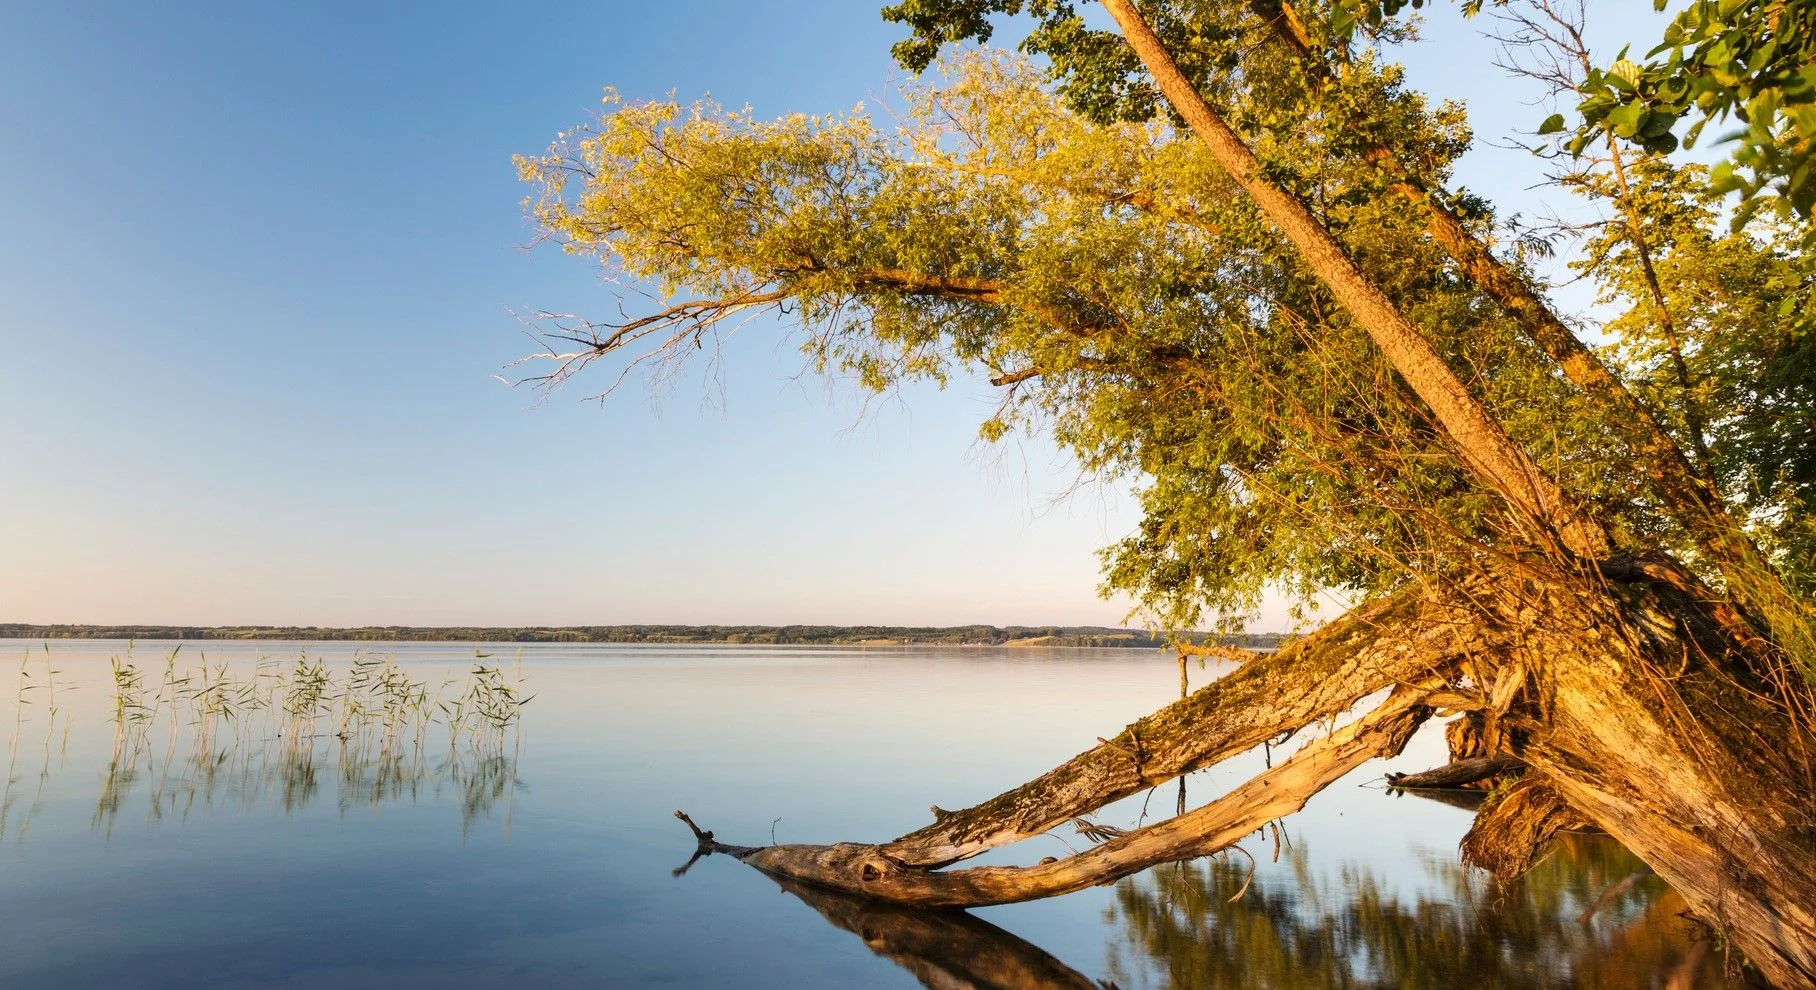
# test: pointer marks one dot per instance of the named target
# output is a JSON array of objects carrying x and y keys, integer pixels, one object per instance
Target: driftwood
[{"x": 1457, "y": 773}]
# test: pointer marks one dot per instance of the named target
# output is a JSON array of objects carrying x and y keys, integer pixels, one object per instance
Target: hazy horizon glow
[{"x": 260, "y": 265}]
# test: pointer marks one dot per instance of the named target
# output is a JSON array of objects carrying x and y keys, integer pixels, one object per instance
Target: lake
[{"x": 546, "y": 853}]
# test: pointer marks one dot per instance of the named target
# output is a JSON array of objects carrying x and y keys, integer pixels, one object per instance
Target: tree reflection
[
  {"x": 1185, "y": 928},
  {"x": 948, "y": 950},
  {"x": 1588, "y": 916}
]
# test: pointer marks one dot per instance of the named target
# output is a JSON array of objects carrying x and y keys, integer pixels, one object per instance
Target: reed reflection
[{"x": 288, "y": 733}]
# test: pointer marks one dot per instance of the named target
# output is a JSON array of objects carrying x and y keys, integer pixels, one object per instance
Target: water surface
[{"x": 547, "y": 856}]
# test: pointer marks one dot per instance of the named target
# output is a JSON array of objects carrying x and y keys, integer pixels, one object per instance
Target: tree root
[{"x": 1513, "y": 825}]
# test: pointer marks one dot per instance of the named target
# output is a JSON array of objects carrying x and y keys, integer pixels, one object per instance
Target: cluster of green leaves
[
  {"x": 1156, "y": 324},
  {"x": 1349, "y": 17},
  {"x": 1737, "y": 296},
  {"x": 1754, "y": 60}
]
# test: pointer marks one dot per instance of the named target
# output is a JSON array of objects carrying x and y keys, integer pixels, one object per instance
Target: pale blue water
[{"x": 551, "y": 865}]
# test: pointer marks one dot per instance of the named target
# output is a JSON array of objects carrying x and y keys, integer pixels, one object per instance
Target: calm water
[{"x": 548, "y": 859}]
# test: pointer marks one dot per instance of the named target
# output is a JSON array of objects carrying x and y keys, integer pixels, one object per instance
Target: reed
[{"x": 203, "y": 734}]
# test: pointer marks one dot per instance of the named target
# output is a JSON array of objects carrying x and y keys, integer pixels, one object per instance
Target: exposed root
[{"x": 1513, "y": 825}]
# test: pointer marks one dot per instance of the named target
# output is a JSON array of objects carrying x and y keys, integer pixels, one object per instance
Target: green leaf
[{"x": 1552, "y": 124}]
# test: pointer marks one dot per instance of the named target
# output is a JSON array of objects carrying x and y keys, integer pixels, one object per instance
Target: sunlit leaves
[{"x": 1133, "y": 302}]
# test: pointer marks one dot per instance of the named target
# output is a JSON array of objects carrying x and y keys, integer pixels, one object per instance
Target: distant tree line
[{"x": 976, "y": 635}]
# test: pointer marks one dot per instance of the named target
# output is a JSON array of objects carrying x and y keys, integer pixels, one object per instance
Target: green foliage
[
  {"x": 1153, "y": 322},
  {"x": 1738, "y": 297},
  {"x": 1754, "y": 60},
  {"x": 1046, "y": 228},
  {"x": 1750, "y": 60}
]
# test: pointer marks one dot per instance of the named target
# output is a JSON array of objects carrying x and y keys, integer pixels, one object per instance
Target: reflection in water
[
  {"x": 1185, "y": 927},
  {"x": 1589, "y": 916},
  {"x": 288, "y": 773},
  {"x": 950, "y": 950},
  {"x": 277, "y": 734},
  {"x": 184, "y": 740}
]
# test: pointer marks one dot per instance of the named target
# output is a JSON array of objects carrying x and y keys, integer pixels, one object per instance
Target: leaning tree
[{"x": 1213, "y": 253}]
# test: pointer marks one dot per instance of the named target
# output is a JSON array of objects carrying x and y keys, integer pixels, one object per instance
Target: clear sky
[{"x": 258, "y": 264}]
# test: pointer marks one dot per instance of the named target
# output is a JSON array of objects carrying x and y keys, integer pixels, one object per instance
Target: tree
[{"x": 1303, "y": 351}]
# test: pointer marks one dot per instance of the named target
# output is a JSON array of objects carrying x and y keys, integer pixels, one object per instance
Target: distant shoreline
[{"x": 1042, "y": 636}]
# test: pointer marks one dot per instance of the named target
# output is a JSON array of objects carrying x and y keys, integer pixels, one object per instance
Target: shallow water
[{"x": 546, "y": 856}]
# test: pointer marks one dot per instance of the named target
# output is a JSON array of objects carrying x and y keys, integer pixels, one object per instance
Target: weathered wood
[
  {"x": 1282, "y": 790},
  {"x": 1654, "y": 731},
  {"x": 1457, "y": 773},
  {"x": 1513, "y": 825},
  {"x": 1321, "y": 676}
]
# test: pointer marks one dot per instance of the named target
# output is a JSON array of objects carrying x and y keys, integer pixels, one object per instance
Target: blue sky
[{"x": 258, "y": 264}]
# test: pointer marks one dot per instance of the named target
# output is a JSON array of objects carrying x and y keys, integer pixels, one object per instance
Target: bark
[
  {"x": 1318, "y": 677},
  {"x": 863, "y": 870},
  {"x": 1655, "y": 730},
  {"x": 1512, "y": 826}
]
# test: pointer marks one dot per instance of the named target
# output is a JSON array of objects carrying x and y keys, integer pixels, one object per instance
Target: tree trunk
[
  {"x": 1480, "y": 439},
  {"x": 1319, "y": 677},
  {"x": 1660, "y": 735},
  {"x": 1638, "y": 716}
]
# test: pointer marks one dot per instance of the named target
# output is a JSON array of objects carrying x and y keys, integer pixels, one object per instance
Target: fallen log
[
  {"x": 1322, "y": 676},
  {"x": 866, "y": 870}
]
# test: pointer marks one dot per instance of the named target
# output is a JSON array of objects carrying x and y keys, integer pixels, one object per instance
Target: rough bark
[
  {"x": 1321, "y": 676},
  {"x": 1513, "y": 825},
  {"x": 1651, "y": 726},
  {"x": 1280, "y": 791}
]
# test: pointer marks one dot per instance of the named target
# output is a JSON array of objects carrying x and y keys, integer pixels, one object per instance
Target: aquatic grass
[{"x": 204, "y": 734}]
